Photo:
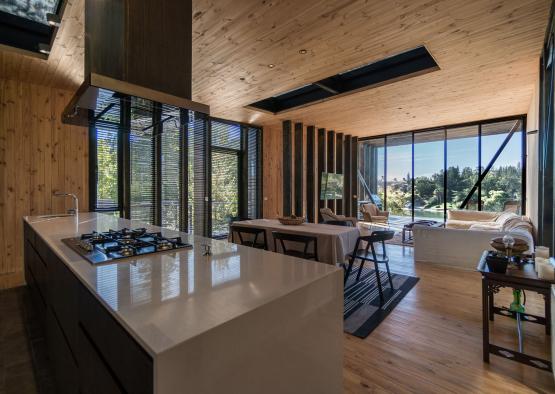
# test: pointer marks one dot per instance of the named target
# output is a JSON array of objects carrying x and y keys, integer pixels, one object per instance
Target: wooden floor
[{"x": 432, "y": 341}]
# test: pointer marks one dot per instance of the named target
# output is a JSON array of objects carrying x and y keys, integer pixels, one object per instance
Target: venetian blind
[
  {"x": 254, "y": 172},
  {"x": 171, "y": 168},
  {"x": 141, "y": 145}
]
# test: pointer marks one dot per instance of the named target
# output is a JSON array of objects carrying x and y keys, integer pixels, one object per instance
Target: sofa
[{"x": 466, "y": 235}]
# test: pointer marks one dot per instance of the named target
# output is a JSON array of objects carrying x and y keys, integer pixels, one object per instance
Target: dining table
[{"x": 334, "y": 242}]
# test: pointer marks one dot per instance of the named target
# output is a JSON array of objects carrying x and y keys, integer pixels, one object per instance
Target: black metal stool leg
[
  {"x": 360, "y": 269},
  {"x": 379, "y": 282},
  {"x": 389, "y": 275},
  {"x": 348, "y": 271}
]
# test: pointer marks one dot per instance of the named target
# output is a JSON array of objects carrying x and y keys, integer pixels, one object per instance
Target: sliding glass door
[
  {"x": 462, "y": 166},
  {"x": 399, "y": 175},
  {"x": 174, "y": 168},
  {"x": 429, "y": 155}
]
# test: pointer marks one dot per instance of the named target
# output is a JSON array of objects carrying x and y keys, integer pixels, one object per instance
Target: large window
[
  {"x": 171, "y": 167},
  {"x": 477, "y": 166}
]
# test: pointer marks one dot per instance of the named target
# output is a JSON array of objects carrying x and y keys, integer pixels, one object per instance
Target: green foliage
[{"x": 500, "y": 185}]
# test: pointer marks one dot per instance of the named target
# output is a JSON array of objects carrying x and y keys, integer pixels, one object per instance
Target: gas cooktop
[{"x": 107, "y": 246}]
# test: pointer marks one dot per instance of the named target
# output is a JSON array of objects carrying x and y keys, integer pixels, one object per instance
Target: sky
[{"x": 462, "y": 152}]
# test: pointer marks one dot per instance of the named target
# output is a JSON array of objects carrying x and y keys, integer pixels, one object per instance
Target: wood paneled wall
[
  {"x": 319, "y": 150},
  {"x": 38, "y": 155}
]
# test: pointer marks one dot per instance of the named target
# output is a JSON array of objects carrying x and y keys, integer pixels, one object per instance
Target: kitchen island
[{"x": 240, "y": 320}]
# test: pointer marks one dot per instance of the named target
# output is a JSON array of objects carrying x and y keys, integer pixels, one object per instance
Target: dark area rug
[{"x": 362, "y": 312}]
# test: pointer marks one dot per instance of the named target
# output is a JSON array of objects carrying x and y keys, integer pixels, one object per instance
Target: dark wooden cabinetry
[{"x": 89, "y": 350}]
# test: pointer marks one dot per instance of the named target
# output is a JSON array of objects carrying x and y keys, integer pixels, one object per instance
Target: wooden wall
[
  {"x": 38, "y": 155},
  {"x": 272, "y": 183}
]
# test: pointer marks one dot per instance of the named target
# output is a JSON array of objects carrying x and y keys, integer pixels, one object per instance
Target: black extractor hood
[{"x": 136, "y": 48}]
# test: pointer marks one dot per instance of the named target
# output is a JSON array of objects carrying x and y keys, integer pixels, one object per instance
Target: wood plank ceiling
[{"x": 488, "y": 52}]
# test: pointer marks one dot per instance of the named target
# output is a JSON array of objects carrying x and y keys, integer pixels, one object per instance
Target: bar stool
[
  {"x": 369, "y": 254},
  {"x": 305, "y": 240},
  {"x": 253, "y": 232}
]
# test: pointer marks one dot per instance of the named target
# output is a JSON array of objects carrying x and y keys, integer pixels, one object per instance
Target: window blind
[
  {"x": 141, "y": 146},
  {"x": 107, "y": 169},
  {"x": 171, "y": 169},
  {"x": 254, "y": 172},
  {"x": 225, "y": 175},
  {"x": 198, "y": 169}
]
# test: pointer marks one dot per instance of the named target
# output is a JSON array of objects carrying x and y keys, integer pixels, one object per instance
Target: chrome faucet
[{"x": 75, "y": 209}]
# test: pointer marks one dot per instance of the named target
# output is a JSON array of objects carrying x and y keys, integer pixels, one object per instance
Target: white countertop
[{"x": 166, "y": 299}]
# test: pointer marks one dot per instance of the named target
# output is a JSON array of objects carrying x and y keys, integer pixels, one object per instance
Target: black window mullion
[
  {"x": 412, "y": 177},
  {"x": 124, "y": 161},
  {"x": 157, "y": 162},
  {"x": 93, "y": 165},
  {"x": 480, "y": 166}
]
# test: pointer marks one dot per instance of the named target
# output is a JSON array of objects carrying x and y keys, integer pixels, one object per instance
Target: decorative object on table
[
  {"x": 542, "y": 251},
  {"x": 511, "y": 246},
  {"x": 291, "y": 220},
  {"x": 497, "y": 262},
  {"x": 362, "y": 313}
]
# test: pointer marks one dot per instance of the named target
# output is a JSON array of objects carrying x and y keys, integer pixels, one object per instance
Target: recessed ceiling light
[
  {"x": 271, "y": 65},
  {"x": 303, "y": 51}
]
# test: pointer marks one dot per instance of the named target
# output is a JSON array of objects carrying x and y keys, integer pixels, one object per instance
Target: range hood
[{"x": 137, "y": 48}]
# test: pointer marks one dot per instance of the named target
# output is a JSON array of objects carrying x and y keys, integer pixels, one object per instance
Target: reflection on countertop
[{"x": 166, "y": 299}]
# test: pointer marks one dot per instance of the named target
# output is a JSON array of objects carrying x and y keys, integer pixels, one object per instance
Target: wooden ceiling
[{"x": 488, "y": 52}]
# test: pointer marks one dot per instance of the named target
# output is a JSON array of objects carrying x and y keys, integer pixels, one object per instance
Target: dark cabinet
[
  {"x": 89, "y": 350},
  {"x": 63, "y": 363},
  {"x": 120, "y": 352}
]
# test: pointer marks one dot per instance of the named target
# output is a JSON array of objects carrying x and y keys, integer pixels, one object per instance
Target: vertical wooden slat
[
  {"x": 347, "y": 175},
  {"x": 354, "y": 177},
  {"x": 321, "y": 168},
  {"x": 273, "y": 171},
  {"x": 331, "y": 161},
  {"x": 287, "y": 168},
  {"x": 299, "y": 169},
  {"x": 339, "y": 168},
  {"x": 310, "y": 174},
  {"x": 3, "y": 169}
]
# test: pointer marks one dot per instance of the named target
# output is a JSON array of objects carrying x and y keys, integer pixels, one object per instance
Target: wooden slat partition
[
  {"x": 38, "y": 155},
  {"x": 354, "y": 177},
  {"x": 299, "y": 169},
  {"x": 310, "y": 174},
  {"x": 331, "y": 161},
  {"x": 339, "y": 168},
  {"x": 287, "y": 168},
  {"x": 347, "y": 178},
  {"x": 321, "y": 167}
]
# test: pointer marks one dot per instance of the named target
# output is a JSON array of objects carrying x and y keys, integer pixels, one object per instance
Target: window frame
[{"x": 479, "y": 124}]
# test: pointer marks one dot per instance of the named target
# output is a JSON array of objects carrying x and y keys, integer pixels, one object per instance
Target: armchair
[
  {"x": 328, "y": 214},
  {"x": 371, "y": 213}
]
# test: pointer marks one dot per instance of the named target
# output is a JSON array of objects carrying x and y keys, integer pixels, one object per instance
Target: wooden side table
[{"x": 524, "y": 278}]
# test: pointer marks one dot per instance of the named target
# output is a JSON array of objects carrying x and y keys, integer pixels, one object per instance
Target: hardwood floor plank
[{"x": 432, "y": 341}]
